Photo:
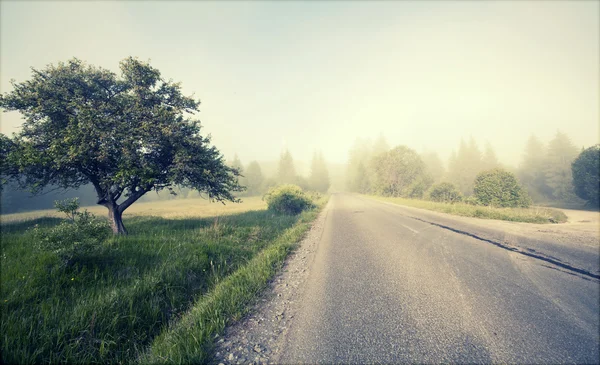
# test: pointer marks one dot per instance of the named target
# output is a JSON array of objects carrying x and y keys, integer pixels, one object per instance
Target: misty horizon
[{"x": 317, "y": 76}]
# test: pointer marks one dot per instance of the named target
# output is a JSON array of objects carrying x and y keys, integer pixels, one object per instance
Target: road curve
[{"x": 387, "y": 288}]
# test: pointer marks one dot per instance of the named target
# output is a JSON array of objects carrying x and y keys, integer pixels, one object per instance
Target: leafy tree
[
  {"x": 286, "y": 171},
  {"x": 125, "y": 135},
  {"x": 396, "y": 170},
  {"x": 319, "y": 175},
  {"x": 254, "y": 179},
  {"x": 445, "y": 192},
  {"x": 561, "y": 154},
  {"x": 361, "y": 183},
  {"x": 586, "y": 175},
  {"x": 6, "y": 168},
  {"x": 532, "y": 171},
  {"x": 500, "y": 188}
]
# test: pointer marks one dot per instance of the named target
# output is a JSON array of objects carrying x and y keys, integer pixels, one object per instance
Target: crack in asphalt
[{"x": 552, "y": 261}]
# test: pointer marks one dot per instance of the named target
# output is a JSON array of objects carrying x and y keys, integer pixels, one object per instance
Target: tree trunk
[{"x": 116, "y": 220}]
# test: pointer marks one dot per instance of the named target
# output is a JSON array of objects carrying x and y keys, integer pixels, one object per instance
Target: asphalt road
[{"x": 387, "y": 286}]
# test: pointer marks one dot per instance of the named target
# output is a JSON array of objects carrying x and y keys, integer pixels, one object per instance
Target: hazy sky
[{"x": 319, "y": 74}]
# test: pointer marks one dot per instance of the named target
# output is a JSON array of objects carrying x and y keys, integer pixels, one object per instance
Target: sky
[{"x": 317, "y": 75}]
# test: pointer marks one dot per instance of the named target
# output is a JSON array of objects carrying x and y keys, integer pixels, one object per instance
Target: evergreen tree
[
  {"x": 489, "y": 160},
  {"x": 561, "y": 154},
  {"x": 532, "y": 171},
  {"x": 435, "y": 166},
  {"x": 286, "y": 172},
  {"x": 254, "y": 179},
  {"x": 358, "y": 171},
  {"x": 319, "y": 175},
  {"x": 237, "y": 164}
]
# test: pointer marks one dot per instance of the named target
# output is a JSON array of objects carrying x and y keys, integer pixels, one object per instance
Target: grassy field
[
  {"x": 159, "y": 294},
  {"x": 529, "y": 215}
]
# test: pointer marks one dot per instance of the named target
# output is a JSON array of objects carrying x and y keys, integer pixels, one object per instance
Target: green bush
[
  {"x": 586, "y": 175},
  {"x": 72, "y": 239},
  {"x": 500, "y": 188},
  {"x": 445, "y": 192},
  {"x": 418, "y": 188},
  {"x": 288, "y": 199}
]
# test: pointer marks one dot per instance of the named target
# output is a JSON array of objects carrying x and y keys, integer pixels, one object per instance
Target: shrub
[
  {"x": 445, "y": 192},
  {"x": 68, "y": 206},
  {"x": 586, "y": 175},
  {"x": 73, "y": 239},
  {"x": 417, "y": 189},
  {"x": 500, "y": 188},
  {"x": 288, "y": 199}
]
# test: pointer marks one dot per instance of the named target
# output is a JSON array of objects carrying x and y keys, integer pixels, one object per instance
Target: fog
[{"x": 306, "y": 76}]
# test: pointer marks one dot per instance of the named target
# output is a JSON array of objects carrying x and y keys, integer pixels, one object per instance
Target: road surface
[{"x": 388, "y": 285}]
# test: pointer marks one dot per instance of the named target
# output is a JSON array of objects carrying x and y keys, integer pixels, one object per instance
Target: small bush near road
[
  {"x": 500, "y": 188},
  {"x": 288, "y": 199},
  {"x": 445, "y": 192}
]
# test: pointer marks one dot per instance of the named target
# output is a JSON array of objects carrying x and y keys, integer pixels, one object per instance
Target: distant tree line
[{"x": 545, "y": 175}]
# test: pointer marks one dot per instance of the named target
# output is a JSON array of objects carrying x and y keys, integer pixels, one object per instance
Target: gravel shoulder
[{"x": 258, "y": 338}]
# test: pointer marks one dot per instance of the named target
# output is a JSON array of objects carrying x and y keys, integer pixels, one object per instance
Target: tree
[
  {"x": 6, "y": 168},
  {"x": 489, "y": 160},
  {"x": 125, "y": 135},
  {"x": 586, "y": 175},
  {"x": 359, "y": 171},
  {"x": 254, "y": 179},
  {"x": 465, "y": 166},
  {"x": 237, "y": 165},
  {"x": 434, "y": 165},
  {"x": 319, "y": 175},
  {"x": 561, "y": 154},
  {"x": 499, "y": 188},
  {"x": 396, "y": 170},
  {"x": 532, "y": 171},
  {"x": 286, "y": 172}
]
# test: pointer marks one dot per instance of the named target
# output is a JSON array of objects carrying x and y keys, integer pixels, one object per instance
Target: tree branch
[{"x": 131, "y": 199}]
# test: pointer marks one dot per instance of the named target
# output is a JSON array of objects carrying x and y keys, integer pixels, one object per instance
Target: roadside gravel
[{"x": 258, "y": 337}]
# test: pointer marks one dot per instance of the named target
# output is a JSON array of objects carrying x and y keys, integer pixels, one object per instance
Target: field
[
  {"x": 159, "y": 294},
  {"x": 528, "y": 215}
]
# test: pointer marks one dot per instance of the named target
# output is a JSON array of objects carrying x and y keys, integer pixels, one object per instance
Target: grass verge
[
  {"x": 190, "y": 339},
  {"x": 110, "y": 306},
  {"x": 528, "y": 215}
]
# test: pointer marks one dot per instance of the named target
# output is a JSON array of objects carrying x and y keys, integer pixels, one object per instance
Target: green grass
[
  {"x": 528, "y": 215},
  {"x": 137, "y": 293}
]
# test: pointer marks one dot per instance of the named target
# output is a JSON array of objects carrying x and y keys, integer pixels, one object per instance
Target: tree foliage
[
  {"x": 288, "y": 199},
  {"x": 560, "y": 155},
  {"x": 434, "y": 165},
  {"x": 586, "y": 175},
  {"x": 254, "y": 179},
  {"x": 286, "y": 171},
  {"x": 319, "y": 175},
  {"x": 500, "y": 188},
  {"x": 445, "y": 192},
  {"x": 125, "y": 135},
  {"x": 532, "y": 171},
  {"x": 395, "y": 172}
]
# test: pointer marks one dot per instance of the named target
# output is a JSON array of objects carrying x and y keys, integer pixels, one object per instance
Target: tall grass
[
  {"x": 528, "y": 215},
  {"x": 110, "y": 305}
]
